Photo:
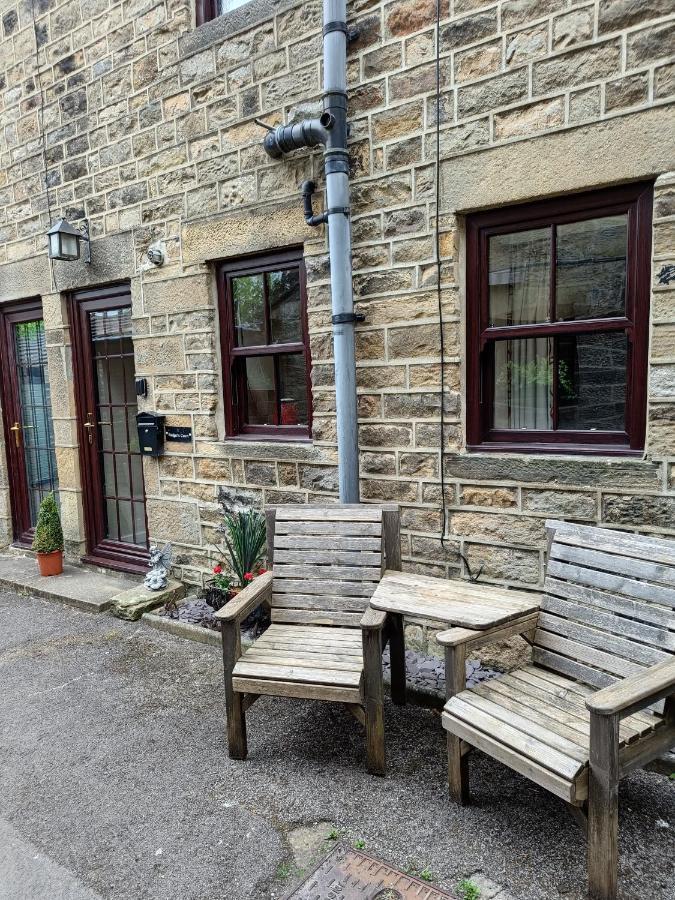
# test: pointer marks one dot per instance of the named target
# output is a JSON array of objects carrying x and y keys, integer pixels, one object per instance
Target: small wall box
[{"x": 150, "y": 433}]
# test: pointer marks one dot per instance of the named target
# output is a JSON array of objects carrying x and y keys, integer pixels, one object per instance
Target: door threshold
[{"x": 136, "y": 567}]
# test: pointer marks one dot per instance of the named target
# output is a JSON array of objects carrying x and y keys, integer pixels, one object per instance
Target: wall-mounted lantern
[{"x": 64, "y": 241}]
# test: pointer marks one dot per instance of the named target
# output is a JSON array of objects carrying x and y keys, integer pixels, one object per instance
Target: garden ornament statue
[{"x": 160, "y": 564}]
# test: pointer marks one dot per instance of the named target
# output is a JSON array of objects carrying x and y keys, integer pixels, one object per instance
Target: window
[
  {"x": 266, "y": 364},
  {"x": 211, "y": 9},
  {"x": 558, "y": 315}
]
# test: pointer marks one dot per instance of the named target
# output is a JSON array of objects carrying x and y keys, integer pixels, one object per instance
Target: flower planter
[{"x": 50, "y": 563}]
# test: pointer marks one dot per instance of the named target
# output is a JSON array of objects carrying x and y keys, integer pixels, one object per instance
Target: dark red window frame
[
  {"x": 232, "y": 356},
  {"x": 206, "y": 10},
  {"x": 636, "y": 201}
]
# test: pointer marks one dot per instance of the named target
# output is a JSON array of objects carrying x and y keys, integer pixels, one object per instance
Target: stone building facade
[{"x": 145, "y": 124}]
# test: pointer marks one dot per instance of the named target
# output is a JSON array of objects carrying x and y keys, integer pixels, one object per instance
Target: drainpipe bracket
[{"x": 348, "y": 318}]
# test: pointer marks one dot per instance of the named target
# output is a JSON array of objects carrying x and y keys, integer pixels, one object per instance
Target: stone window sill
[{"x": 241, "y": 19}]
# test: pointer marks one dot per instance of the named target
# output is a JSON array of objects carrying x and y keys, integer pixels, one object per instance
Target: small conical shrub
[{"x": 48, "y": 533}]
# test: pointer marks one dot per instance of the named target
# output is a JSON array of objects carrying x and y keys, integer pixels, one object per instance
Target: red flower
[
  {"x": 248, "y": 576},
  {"x": 217, "y": 569},
  {"x": 261, "y": 571}
]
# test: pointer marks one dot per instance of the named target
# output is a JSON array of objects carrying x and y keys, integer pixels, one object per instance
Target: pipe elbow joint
[
  {"x": 308, "y": 133},
  {"x": 307, "y": 188}
]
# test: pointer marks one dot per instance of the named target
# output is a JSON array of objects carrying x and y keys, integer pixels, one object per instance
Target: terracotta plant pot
[{"x": 50, "y": 563}]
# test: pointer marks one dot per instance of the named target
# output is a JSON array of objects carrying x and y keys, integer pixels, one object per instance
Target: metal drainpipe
[{"x": 331, "y": 131}]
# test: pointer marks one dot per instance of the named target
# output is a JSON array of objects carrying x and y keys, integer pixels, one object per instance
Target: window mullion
[
  {"x": 552, "y": 317},
  {"x": 266, "y": 304}
]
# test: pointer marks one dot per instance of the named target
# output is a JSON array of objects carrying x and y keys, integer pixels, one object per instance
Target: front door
[
  {"x": 27, "y": 414},
  {"x": 112, "y": 466}
]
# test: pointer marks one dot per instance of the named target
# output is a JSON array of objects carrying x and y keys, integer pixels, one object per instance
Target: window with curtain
[
  {"x": 211, "y": 9},
  {"x": 558, "y": 315},
  {"x": 265, "y": 347}
]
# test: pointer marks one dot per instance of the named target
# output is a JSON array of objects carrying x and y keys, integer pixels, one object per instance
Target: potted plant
[
  {"x": 218, "y": 589},
  {"x": 48, "y": 539}
]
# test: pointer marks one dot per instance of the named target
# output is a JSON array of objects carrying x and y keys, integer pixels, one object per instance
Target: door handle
[
  {"x": 89, "y": 425},
  {"x": 16, "y": 428}
]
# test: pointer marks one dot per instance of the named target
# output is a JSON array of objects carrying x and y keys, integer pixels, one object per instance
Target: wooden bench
[
  {"x": 589, "y": 708},
  {"x": 323, "y": 642}
]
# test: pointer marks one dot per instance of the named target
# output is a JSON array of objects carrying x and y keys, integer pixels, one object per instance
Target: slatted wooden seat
[
  {"x": 323, "y": 642},
  {"x": 590, "y": 707}
]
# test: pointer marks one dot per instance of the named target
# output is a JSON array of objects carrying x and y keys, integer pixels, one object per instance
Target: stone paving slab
[{"x": 76, "y": 586}]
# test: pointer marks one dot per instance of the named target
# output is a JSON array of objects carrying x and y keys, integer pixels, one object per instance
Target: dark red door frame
[
  {"x": 11, "y": 315},
  {"x": 100, "y": 550}
]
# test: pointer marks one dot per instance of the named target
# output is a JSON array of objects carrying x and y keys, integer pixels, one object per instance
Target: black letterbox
[{"x": 150, "y": 433}]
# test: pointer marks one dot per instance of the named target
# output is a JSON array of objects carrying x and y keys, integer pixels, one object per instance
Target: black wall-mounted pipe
[{"x": 307, "y": 189}]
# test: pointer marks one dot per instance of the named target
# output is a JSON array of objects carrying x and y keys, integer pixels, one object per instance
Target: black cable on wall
[{"x": 439, "y": 292}]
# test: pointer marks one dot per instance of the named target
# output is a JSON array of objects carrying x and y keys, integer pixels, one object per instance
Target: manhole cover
[{"x": 347, "y": 874}]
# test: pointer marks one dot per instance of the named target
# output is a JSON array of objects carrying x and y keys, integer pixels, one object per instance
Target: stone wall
[{"x": 149, "y": 132}]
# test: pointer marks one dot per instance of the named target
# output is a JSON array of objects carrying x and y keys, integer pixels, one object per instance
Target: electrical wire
[
  {"x": 439, "y": 292},
  {"x": 41, "y": 120}
]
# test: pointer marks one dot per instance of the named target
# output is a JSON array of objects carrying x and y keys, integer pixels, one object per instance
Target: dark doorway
[
  {"x": 27, "y": 414},
  {"x": 112, "y": 466}
]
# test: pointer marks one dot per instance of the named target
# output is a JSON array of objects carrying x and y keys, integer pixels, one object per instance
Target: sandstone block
[
  {"x": 629, "y": 91},
  {"x": 517, "y": 12},
  {"x": 501, "y": 498},
  {"x": 639, "y": 511},
  {"x": 130, "y": 605},
  {"x": 577, "y": 66},
  {"x": 319, "y": 478},
  {"x": 614, "y": 15},
  {"x": 661, "y": 429},
  {"x": 563, "y": 504},
  {"x": 177, "y": 294},
  {"x": 214, "y": 469},
  {"x": 523, "y": 46},
  {"x": 385, "y": 435},
  {"x": 486, "y": 59},
  {"x": 469, "y": 29},
  {"x": 389, "y": 491},
  {"x": 397, "y": 122},
  {"x": 260, "y": 473},
  {"x": 503, "y": 563},
  {"x": 492, "y": 93},
  {"x": 530, "y": 119},
  {"x": 662, "y": 381},
  {"x": 407, "y": 16},
  {"x": 572, "y": 28},
  {"x": 420, "y": 465},
  {"x": 510, "y": 529},
  {"x": 377, "y": 463},
  {"x": 171, "y": 520}
]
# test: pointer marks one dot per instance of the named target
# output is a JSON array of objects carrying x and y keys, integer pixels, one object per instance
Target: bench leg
[
  {"x": 234, "y": 702},
  {"x": 603, "y": 808},
  {"x": 458, "y": 764},
  {"x": 397, "y": 658},
  {"x": 374, "y": 700}
]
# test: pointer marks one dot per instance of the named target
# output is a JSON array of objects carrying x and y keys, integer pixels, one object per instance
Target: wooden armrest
[
  {"x": 454, "y": 637},
  {"x": 635, "y": 692},
  {"x": 259, "y": 590},
  {"x": 374, "y": 618}
]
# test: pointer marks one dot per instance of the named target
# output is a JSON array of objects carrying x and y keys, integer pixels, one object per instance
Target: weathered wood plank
[
  {"x": 601, "y": 639},
  {"x": 334, "y": 542},
  {"x": 318, "y": 651},
  {"x": 391, "y": 538},
  {"x": 558, "y": 663},
  {"x": 621, "y": 565},
  {"x": 542, "y": 776},
  {"x": 310, "y": 632},
  {"x": 583, "y": 653},
  {"x": 639, "y": 590},
  {"x": 646, "y": 749},
  {"x": 257, "y": 670},
  {"x": 373, "y": 700},
  {"x": 332, "y": 557},
  {"x": 334, "y": 513},
  {"x": 301, "y": 690},
  {"x": 338, "y": 573},
  {"x": 292, "y": 657},
  {"x": 471, "y": 638},
  {"x": 623, "y": 697},
  {"x": 614, "y": 622},
  {"x": 458, "y": 762},
  {"x": 305, "y": 616},
  {"x": 332, "y": 588},
  {"x": 620, "y": 542},
  {"x": 603, "y": 808},
  {"x": 345, "y": 529},
  {"x": 525, "y": 724},
  {"x": 320, "y": 601},
  {"x": 560, "y": 764}
]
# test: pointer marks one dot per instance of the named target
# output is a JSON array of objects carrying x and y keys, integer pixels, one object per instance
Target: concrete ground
[{"x": 115, "y": 783}]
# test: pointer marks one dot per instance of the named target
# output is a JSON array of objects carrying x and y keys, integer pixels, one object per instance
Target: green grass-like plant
[
  {"x": 48, "y": 533},
  {"x": 245, "y": 540},
  {"x": 468, "y": 890}
]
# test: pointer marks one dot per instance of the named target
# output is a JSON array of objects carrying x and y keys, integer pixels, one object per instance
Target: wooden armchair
[
  {"x": 323, "y": 643},
  {"x": 586, "y": 712}
]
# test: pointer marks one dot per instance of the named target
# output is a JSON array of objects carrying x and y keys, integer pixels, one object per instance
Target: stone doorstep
[
  {"x": 77, "y": 586},
  {"x": 134, "y": 602}
]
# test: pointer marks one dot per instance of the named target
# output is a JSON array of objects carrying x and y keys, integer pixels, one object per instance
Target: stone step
[{"x": 76, "y": 586}]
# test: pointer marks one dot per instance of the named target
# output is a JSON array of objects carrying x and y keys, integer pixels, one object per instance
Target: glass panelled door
[
  {"x": 114, "y": 491},
  {"x": 27, "y": 413}
]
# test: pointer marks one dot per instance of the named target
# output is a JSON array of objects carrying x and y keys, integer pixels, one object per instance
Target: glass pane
[
  {"x": 139, "y": 522},
  {"x": 116, "y": 379},
  {"x": 284, "y": 298},
  {"x": 119, "y": 427},
  {"x": 109, "y": 475},
  {"x": 122, "y": 469},
  {"x": 519, "y": 277},
  {"x": 293, "y": 389},
  {"x": 523, "y": 384},
  {"x": 126, "y": 521},
  {"x": 260, "y": 396},
  {"x": 592, "y": 382},
  {"x": 249, "y": 311},
  {"x": 591, "y": 268},
  {"x": 137, "y": 476},
  {"x": 112, "y": 530},
  {"x": 36, "y": 431}
]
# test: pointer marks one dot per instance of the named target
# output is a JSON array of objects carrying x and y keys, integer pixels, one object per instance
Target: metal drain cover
[{"x": 347, "y": 874}]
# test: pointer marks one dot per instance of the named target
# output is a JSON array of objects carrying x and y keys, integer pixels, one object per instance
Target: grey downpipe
[{"x": 331, "y": 131}]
